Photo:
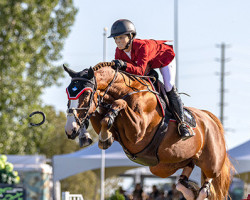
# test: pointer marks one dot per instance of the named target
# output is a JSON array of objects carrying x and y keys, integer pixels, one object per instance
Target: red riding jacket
[{"x": 146, "y": 54}]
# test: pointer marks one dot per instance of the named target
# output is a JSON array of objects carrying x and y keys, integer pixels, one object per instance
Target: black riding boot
[{"x": 177, "y": 106}]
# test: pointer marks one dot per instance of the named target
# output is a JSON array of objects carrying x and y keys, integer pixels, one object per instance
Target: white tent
[
  {"x": 116, "y": 162},
  {"x": 90, "y": 159},
  {"x": 30, "y": 163},
  {"x": 240, "y": 157}
]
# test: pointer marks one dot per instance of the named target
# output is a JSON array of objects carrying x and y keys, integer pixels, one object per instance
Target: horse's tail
[{"x": 220, "y": 185}]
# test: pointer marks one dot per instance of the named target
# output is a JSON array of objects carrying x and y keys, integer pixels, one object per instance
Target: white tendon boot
[
  {"x": 203, "y": 194},
  {"x": 205, "y": 190}
]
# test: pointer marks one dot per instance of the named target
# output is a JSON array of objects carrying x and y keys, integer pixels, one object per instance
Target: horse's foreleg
[
  {"x": 105, "y": 136},
  {"x": 95, "y": 121},
  {"x": 188, "y": 191},
  {"x": 116, "y": 107}
]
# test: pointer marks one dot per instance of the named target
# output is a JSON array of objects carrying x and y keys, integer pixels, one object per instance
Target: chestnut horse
[{"x": 123, "y": 107}]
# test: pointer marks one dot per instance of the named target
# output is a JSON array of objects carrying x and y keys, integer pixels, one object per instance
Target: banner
[{"x": 12, "y": 192}]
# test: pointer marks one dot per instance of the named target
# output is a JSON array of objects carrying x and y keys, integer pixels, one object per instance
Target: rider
[{"x": 137, "y": 56}]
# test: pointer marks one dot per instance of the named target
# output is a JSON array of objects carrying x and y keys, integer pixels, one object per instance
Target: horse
[{"x": 124, "y": 107}]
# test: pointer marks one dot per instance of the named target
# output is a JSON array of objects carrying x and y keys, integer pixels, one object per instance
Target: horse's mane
[
  {"x": 131, "y": 76},
  {"x": 103, "y": 64}
]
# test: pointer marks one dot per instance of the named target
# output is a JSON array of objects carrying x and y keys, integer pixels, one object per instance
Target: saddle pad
[
  {"x": 189, "y": 118},
  {"x": 157, "y": 97}
]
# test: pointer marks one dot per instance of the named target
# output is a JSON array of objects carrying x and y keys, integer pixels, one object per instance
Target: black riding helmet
[{"x": 122, "y": 27}]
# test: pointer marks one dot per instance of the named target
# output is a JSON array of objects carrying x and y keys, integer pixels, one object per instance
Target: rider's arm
[{"x": 141, "y": 61}]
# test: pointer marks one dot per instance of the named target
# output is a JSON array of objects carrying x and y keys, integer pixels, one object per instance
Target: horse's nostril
[{"x": 69, "y": 136}]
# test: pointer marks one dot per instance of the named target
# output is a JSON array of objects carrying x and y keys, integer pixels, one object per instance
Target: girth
[{"x": 149, "y": 155}]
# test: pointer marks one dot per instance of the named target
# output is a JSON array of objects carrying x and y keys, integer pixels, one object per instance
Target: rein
[
  {"x": 140, "y": 81},
  {"x": 100, "y": 99}
]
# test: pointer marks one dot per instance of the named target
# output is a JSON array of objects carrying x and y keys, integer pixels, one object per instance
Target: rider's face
[{"x": 121, "y": 41}]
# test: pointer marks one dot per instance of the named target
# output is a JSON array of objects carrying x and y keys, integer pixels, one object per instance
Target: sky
[{"x": 203, "y": 25}]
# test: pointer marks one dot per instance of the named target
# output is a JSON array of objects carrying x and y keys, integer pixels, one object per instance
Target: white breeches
[{"x": 168, "y": 73}]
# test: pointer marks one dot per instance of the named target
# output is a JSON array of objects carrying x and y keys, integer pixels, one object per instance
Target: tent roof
[
  {"x": 90, "y": 159},
  {"x": 117, "y": 162},
  {"x": 241, "y": 152},
  {"x": 240, "y": 157},
  {"x": 29, "y": 163}
]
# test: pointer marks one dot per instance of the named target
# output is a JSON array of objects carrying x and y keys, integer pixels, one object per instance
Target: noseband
[{"x": 73, "y": 111}]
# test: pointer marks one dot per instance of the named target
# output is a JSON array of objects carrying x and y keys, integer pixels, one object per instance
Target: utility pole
[
  {"x": 176, "y": 41},
  {"x": 102, "y": 196},
  {"x": 222, "y": 60}
]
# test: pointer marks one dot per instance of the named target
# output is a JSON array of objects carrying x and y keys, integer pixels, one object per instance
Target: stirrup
[{"x": 190, "y": 131}]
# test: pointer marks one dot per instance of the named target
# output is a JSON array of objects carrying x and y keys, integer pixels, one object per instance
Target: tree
[{"x": 31, "y": 38}]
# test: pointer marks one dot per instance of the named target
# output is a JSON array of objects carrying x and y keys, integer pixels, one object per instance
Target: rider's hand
[{"x": 119, "y": 64}]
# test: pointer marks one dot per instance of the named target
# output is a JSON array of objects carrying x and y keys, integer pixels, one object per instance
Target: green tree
[
  {"x": 116, "y": 196},
  {"x": 31, "y": 38}
]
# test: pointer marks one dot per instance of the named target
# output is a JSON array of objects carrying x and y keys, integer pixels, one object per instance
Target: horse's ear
[
  {"x": 91, "y": 73},
  {"x": 69, "y": 71}
]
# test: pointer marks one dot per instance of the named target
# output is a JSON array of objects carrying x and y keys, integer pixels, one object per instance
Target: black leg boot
[{"x": 177, "y": 106}]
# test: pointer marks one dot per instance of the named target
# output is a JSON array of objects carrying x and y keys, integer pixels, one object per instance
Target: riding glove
[{"x": 120, "y": 64}]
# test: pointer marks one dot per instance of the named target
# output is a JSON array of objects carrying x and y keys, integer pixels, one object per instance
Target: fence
[{"x": 68, "y": 196}]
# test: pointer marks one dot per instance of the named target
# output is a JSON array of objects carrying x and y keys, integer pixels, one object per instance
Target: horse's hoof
[
  {"x": 85, "y": 141},
  {"x": 84, "y": 138},
  {"x": 106, "y": 143}
]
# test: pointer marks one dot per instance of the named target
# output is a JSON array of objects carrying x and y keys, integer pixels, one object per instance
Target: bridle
[
  {"x": 87, "y": 116},
  {"x": 100, "y": 99}
]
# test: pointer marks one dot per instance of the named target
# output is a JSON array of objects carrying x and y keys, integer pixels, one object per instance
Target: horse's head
[{"x": 81, "y": 93}]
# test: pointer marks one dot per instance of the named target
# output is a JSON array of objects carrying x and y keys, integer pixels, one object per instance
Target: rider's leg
[{"x": 168, "y": 74}]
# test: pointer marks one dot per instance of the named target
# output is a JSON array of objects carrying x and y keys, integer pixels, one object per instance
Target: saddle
[{"x": 149, "y": 156}]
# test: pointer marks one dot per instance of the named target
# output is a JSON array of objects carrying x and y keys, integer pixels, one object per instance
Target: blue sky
[{"x": 202, "y": 25}]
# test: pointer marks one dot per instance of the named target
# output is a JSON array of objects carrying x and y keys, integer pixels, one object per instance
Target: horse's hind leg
[
  {"x": 188, "y": 191},
  {"x": 204, "y": 192}
]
